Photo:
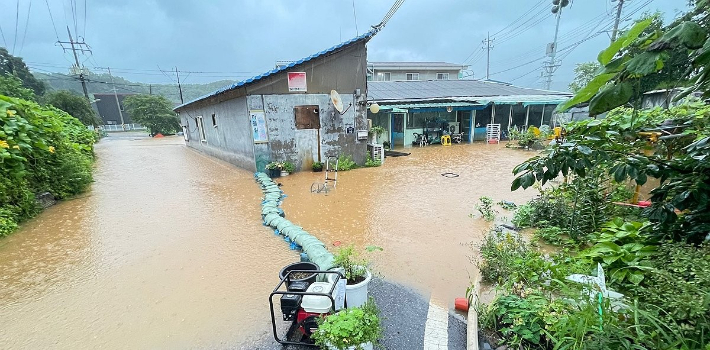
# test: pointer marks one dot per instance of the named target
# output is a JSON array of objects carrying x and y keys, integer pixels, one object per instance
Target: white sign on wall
[
  {"x": 258, "y": 126},
  {"x": 297, "y": 81}
]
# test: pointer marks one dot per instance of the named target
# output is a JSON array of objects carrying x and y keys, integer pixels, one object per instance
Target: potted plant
[
  {"x": 317, "y": 166},
  {"x": 274, "y": 168},
  {"x": 350, "y": 329},
  {"x": 358, "y": 277},
  {"x": 287, "y": 168},
  {"x": 376, "y": 131}
]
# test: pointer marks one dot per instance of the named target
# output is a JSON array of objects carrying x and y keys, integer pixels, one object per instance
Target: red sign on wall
[{"x": 297, "y": 81}]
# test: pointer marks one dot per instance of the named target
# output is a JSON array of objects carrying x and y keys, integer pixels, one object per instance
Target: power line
[
  {"x": 52, "y": 19},
  {"x": 84, "y": 36},
  {"x": 521, "y": 17},
  {"x": 17, "y": 21},
  {"x": 27, "y": 25},
  {"x": 3, "y": 36},
  {"x": 357, "y": 33}
]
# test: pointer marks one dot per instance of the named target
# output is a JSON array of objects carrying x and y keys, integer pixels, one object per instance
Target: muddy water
[
  {"x": 407, "y": 207},
  {"x": 165, "y": 251}
]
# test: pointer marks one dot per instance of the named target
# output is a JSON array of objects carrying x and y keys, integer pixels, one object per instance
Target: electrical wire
[
  {"x": 3, "y": 36},
  {"x": 17, "y": 21},
  {"x": 521, "y": 17},
  {"x": 52, "y": 19},
  {"x": 357, "y": 32},
  {"x": 27, "y": 25},
  {"x": 84, "y": 35}
]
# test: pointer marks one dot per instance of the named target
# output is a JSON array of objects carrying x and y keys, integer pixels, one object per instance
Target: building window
[
  {"x": 442, "y": 76},
  {"x": 201, "y": 128},
  {"x": 384, "y": 76},
  {"x": 214, "y": 120},
  {"x": 412, "y": 76}
]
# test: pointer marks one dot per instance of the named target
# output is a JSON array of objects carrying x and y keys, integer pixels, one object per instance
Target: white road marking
[{"x": 436, "y": 329}]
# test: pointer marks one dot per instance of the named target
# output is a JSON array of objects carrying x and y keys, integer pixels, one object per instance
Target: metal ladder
[{"x": 333, "y": 171}]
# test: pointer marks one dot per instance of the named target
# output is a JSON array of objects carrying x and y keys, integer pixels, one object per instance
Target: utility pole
[
  {"x": 115, "y": 94},
  {"x": 616, "y": 21},
  {"x": 177, "y": 73},
  {"x": 83, "y": 48},
  {"x": 150, "y": 89},
  {"x": 552, "y": 65},
  {"x": 487, "y": 46}
]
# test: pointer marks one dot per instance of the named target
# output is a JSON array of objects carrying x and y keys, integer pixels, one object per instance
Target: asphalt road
[{"x": 404, "y": 315}]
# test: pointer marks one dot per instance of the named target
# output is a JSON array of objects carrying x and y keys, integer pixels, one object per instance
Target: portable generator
[{"x": 302, "y": 303}]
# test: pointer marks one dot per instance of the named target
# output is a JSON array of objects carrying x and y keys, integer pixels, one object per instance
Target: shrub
[
  {"x": 485, "y": 208},
  {"x": 41, "y": 149},
  {"x": 350, "y": 261},
  {"x": 370, "y": 163},
  {"x": 289, "y": 167},
  {"x": 317, "y": 166},
  {"x": 503, "y": 256},
  {"x": 346, "y": 163},
  {"x": 354, "y": 326}
]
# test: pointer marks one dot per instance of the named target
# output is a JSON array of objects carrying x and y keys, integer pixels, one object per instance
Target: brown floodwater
[
  {"x": 165, "y": 251},
  {"x": 420, "y": 218}
]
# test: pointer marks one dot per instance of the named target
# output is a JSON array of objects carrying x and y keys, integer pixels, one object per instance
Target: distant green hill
[{"x": 100, "y": 83}]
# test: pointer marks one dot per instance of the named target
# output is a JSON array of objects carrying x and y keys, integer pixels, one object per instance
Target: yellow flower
[
  {"x": 11, "y": 112},
  {"x": 51, "y": 149},
  {"x": 16, "y": 147},
  {"x": 3, "y": 144}
]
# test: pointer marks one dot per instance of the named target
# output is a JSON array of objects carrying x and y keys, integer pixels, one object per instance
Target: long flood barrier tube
[{"x": 273, "y": 217}]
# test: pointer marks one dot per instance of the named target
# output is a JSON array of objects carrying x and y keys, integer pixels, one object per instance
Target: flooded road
[
  {"x": 419, "y": 217},
  {"x": 165, "y": 251}
]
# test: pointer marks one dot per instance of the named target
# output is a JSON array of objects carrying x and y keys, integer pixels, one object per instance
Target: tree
[
  {"x": 583, "y": 74},
  {"x": 681, "y": 204},
  {"x": 77, "y": 106},
  {"x": 154, "y": 112},
  {"x": 11, "y": 65},
  {"x": 12, "y": 86}
]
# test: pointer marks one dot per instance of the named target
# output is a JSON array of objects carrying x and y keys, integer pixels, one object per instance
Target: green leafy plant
[
  {"x": 485, "y": 208},
  {"x": 554, "y": 235},
  {"x": 288, "y": 167},
  {"x": 274, "y": 166},
  {"x": 77, "y": 106},
  {"x": 352, "y": 327},
  {"x": 503, "y": 256},
  {"x": 377, "y": 131},
  {"x": 354, "y": 266},
  {"x": 42, "y": 149},
  {"x": 370, "y": 163},
  {"x": 623, "y": 251},
  {"x": 317, "y": 166},
  {"x": 345, "y": 163}
]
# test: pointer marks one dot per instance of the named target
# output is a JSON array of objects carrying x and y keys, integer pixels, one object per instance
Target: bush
[
  {"x": 41, "y": 149},
  {"x": 485, "y": 208},
  {"x": 346, "y": 163},
  {"x": 317, "y": 166},
  {"x": 353, "y": 326},
  {"x": 371, "y": 163},
  {"x": 680, "y": 286},
  {"x": 504, "y": 255}
]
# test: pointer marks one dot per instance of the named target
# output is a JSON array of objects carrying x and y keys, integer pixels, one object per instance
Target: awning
[{"x": 433, "y": 106}]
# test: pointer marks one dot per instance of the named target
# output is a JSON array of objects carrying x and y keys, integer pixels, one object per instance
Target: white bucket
[{"x": 355, "y": 294}]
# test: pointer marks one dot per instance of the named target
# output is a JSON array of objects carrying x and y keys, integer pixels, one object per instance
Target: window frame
[
  {"x": 201, "y": 128},
  {"x": 412, "y": 74},
  {"x": 214, "y": 120},
  {"x": 443, "y": 75}
]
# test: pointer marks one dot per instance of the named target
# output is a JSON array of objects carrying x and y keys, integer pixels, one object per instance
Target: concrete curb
[{"x": 472, "y": 319}]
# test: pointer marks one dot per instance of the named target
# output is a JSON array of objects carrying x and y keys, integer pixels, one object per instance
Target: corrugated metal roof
[
  {"x": 431, "y": 105},
  {"x": 396, "y": 64},
  {"x": 461, "y": 90},
  {"x": 242, "y": 83}
]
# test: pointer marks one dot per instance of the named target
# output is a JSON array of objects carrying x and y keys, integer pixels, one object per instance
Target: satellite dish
[{"x": 337, "y": 102}]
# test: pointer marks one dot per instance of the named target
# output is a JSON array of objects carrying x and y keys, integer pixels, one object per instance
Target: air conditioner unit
[{"x": 454, "y": 127}]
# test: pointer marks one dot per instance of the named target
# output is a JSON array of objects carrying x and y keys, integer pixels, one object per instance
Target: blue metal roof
[{"x": 239, "y": 84}]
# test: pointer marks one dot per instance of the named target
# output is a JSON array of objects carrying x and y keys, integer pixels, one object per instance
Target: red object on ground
[
  {"x": 644, "y": 204},
  {"x": 461, "y": 304},
  {"x": 336, "y": 243},
  {"x": 159, "y": 135},
  {"x": 492, "y": 141}
]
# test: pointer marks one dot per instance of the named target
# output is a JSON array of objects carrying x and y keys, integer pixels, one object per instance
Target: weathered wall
[
  {"x": 231, "y": 139},
  {"x": 301, "y": 146}
]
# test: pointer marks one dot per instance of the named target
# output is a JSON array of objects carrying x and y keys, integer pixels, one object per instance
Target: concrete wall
[
  {"x": 304, "y": 146},
  {"x": 231, "y": 140}
]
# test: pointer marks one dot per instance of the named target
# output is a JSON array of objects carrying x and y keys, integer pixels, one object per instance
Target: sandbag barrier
[{"x": 274, "y": 217}]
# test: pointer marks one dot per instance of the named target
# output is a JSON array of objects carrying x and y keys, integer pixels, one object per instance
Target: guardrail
[{"x": 118, "y": 128}]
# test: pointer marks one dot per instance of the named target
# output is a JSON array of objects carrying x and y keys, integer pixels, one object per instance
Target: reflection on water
[
  {"x": 418, "y": 216},
  {"x": 165, "y": 251}
]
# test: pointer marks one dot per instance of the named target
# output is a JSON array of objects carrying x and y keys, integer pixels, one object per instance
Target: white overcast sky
[{"x": 235, "y": 39}]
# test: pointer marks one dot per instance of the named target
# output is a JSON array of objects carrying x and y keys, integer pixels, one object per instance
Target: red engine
[{"x": 307, "y": 321}]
